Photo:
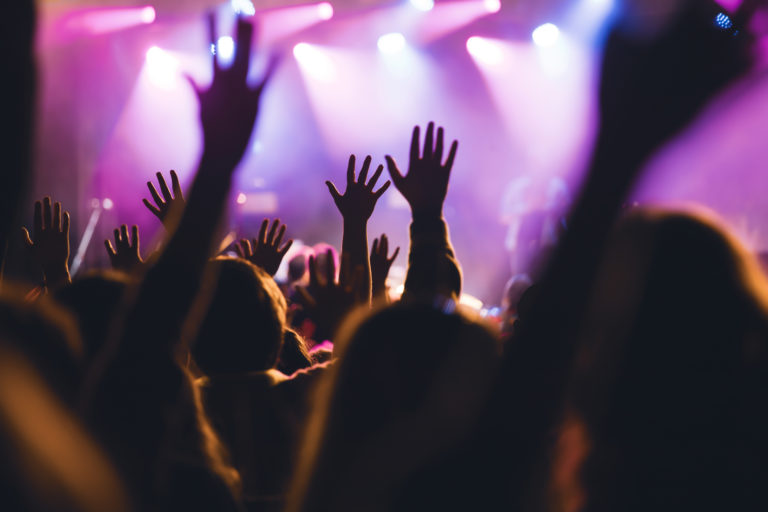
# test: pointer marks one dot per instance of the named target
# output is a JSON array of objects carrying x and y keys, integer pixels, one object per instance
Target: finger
[
  {"x": 272, "y": 230},
  {"x": 429, "y": 142},
  {"x": 334, "y": 193},
  {"x": 65, "y": 224},
  {"x": 364, "y": 171},
  {"x": 383, "y": 189},
  {"x": 282, "y": 252},
  {"x": 27, "y": 238},
  {"x": 394, "y": 256},
  {"x": 151, "y": 207},
  {"x": 247, "y": 248},
  {"x": 163, "y": 187},
  {"x": 37, "y": 221},
  {"x": 439, "y": 145},
  {"x": 314, "y": 281},
  {"x": 135, "y": 235},
  {"x": 239, "y": 250},
  {"x": 375, "y": 247},
  {"x": 243, "y": 47},
  {"x": 110, "y": 250},
  {"x": 176, "y": 186},
  {"x": 394, "y": 172},
  {"x": 152, "y": 190},
  {"x": 415, "y": 144},
  {"x": 330, "y": 267},
  {"x": 280, "y": 234},
  {"x": 56, "y": 216},
  {"x": 384, "y": 245},
  {"x": 351, "y": 170},
  {"x": 46, "y": 213},
  {"x": 211, "y": 23},
  {"x": 262, "y": 233},
  {"x": 116, "y": 233},
  {"x": 375, "y": 177},
  {"x": 451, "y": 156},
  {"x": 124, "y": 235}
]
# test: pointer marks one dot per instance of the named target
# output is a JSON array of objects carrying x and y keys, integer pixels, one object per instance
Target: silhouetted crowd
[{"x": 629, "y": 374}]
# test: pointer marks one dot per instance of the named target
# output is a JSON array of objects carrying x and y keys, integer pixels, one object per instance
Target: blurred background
[{"x": 513, "y": 80}]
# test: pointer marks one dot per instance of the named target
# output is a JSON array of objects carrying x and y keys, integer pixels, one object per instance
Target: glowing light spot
[
  {"x": 315, "y": 62},
  {"x": 243, "y": 7},
  {"x": 241, "y": 198},
  {"x": 723, "y": 21},
  {"x": 225, "y": 49},
  {"x": 107, "y": 204},
  {"x": 546, "y": 35},
  {"x": 391, "y": 43},
  {"x": 148, "y": 14},
  {"x": 492, "y": 5},
  {"x": 325, "y": 11},
  {"x": 484, "y": 50},
  {"x": 423, "y": 5},
  {"x": 162, "y": 68}
]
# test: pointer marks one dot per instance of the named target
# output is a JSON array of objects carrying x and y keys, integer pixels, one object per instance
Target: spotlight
[
  {"x": 243, "y": 7},
  {"x": 492, "y": 5},
  {"x": 484, "y": 50},
  {"x": 107, "y": 204},
  {"x": 225, "y": 48},
  {"x": 546, "y": 35},
  {"x": 148, "y": 14},
  {"x": 241, "y": 198},
  {"x": 391, "y": 43},
  {"x": 423, "y": 5},
  {"x": 315, "y": 62},
  {"x": 161, "y": 67},
  {"x": 325, "y": 11}
]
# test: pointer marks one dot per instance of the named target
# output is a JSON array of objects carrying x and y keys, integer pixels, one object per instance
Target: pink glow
[
  {"x": 730, "y": 5},
  {"x": 450, "y": 16},
  {"x": 104, "y": 20},
  {"x": 325, "y": 11}
]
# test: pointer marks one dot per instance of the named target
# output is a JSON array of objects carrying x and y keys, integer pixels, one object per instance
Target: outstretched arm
[
  {"x": 167, "y": 208},
  {"x": 380, "y": 265},
  {"x": 356, "y": 206},
  {"x": 432, "y": 267},
  {"x": 266, "y": 251}
]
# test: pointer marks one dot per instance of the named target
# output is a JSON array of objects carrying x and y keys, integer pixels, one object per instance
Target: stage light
[
  {"x": 723, "y": 21},
  {"x": 325, "y": 11},
  {"x": 391, "y": 43},
  {"x": 161, "y": 67},
  {"x": 241, "y": 198},
  {"x": 484, "y": 51},
  {"x": 492, "y": 5},
  {"x": 243, "y": 7},
  {"x": 546, "y": 35},
  {"x": 107, "y": 204},
  {"x": 225, "y": 48},
  {"x": 314, "y": 62},
  {"x": 423, "y": 5},
  {"x": 148, "y": 14}
]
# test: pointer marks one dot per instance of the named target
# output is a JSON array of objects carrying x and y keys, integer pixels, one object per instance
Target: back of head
[
  {"x": 404, "y": 393},
  {"x": 48, "y": 336},
  {"x": 670, "y": 382},
  {"x": 243, "y": 327},
  {"x": 94, "y": 299}
]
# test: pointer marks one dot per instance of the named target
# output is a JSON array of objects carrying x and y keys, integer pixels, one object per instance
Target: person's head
[
  {"x": 298, "y": 265},
  {"x": 47, "y": 335},
  {"x": 671, "y": 378},
  {"x": 405, "y": 390},
  {"x": 94, "y": 299},
  {"x": 242, "y": 330},
  {"x": 294, "y": 354}
]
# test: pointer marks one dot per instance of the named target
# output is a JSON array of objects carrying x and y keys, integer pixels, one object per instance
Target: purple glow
[
  {"x": 546, "y": 35},
  {"x": 148, "y": 14},
  {"x": 492, "y": 5},
  {"x": 104, "y": 20},
  {"x": 162, "y": 68},
  {"x": 484, "y": 50},
  {"x": 423, "y": 5},
  {"x": 391, "y": 43},
  {"x": 324, "y": 11}
]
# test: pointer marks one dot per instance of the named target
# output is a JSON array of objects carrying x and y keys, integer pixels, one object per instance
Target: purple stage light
[
  {"x": 225, "y": 49},
  {"x": 546, "y": 35},
  {"x": 324, "y": 11},
  {"x": 243, "y": 7},
  {"x": 492, "y": 5},
  {"x": 161, "y": 67},
  {"x": 423, "y": 5},
  {"x": 484, "y": 51}
]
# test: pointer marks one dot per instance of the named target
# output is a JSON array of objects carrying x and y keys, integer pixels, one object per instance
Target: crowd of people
[{"x": 630, "y": 372}]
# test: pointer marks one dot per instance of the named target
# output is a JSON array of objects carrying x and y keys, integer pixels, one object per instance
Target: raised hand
[
  {"x": 426, "y": 184},
  {"x": 266, "y": 251},
  {"x": 228, "y": 108},
  {"x": 380, "y": 265},
  {"x": 169, "y": 202},
  {"x": 326, "y": 301},
  {"x": 125, "y": 254},
  {"x": 49, "y": 242},
  {"x": 359, "y": 198}
]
